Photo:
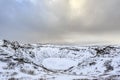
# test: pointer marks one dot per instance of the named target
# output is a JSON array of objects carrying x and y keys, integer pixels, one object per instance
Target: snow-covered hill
[{"x": 55, "y": 62}]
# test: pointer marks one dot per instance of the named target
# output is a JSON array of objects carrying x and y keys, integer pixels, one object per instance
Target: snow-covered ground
[{"x": 55, "y": 62}]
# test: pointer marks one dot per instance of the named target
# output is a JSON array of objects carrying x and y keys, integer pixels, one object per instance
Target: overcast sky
[{"x": 60, "y": 21}]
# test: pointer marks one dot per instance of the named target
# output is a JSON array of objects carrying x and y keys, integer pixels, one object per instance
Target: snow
[
  {"x": 58, "y": 63},
  {"x": 1, "y": 42},
  {"x": 55, "y": 62}
]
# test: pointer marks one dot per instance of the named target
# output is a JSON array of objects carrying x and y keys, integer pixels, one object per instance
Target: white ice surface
[{"x": 58, "y": 63}]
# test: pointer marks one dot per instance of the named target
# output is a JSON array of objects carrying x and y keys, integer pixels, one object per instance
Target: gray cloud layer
[{"x": 55, "y": 20}]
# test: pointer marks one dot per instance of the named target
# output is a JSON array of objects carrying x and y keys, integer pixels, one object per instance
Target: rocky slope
[{"x": 55, "y": 62}]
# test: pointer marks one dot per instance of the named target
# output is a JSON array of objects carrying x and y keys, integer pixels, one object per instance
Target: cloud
[{"x": 49, "y": 20}]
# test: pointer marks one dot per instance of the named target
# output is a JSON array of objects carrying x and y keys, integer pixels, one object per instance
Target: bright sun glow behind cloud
[
  {"x": 77, "y": 7},
  {"x": 77, "y": 4}
]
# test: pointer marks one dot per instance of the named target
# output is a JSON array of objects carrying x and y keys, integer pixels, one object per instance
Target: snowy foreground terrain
[{"x": 54, "y": 62}]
